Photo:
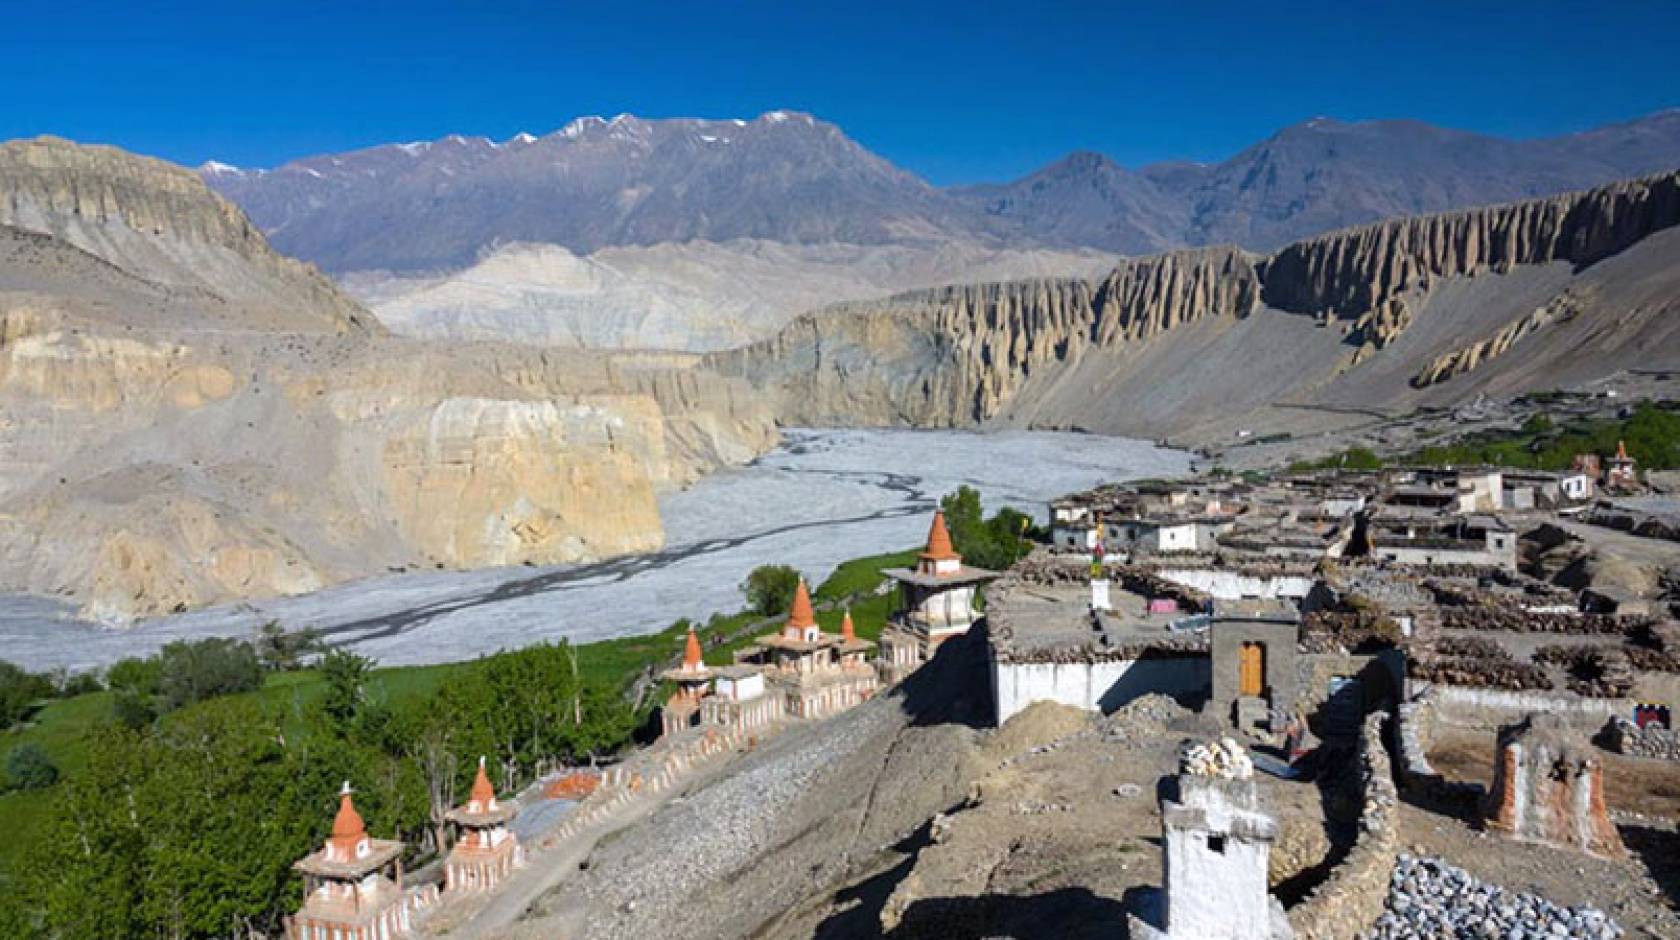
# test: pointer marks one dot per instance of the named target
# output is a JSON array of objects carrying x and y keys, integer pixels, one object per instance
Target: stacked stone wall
[
  {"x": 1513, "y": 619},
  {"x": 1415, "y": 722},
  {"x": 1347, "y": 902},
  {"x": 653, "y": 771},
  {"x": 1624, "y": 737}
]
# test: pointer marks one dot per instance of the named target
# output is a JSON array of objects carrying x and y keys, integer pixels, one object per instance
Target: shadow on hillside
[
  {"x": 1660, "y": 851},
  {"x": 951, "y": 688},
  {"x": 864, "y": 901},
  {"x": 1065, "y": 914}
]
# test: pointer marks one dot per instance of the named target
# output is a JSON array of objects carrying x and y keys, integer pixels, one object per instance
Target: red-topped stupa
[
  {"x": 353, "y": 886},
  {"x": 486, "y": 849},
  {"x": 693, "y": 680},
  {"x": 937, "y": 602}
]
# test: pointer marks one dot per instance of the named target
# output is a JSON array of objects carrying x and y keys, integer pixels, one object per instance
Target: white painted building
[{"x": 1098, "y": 685}]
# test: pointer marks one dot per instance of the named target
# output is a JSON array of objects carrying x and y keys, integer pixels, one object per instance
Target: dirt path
[{"x": 545, "y": 870}]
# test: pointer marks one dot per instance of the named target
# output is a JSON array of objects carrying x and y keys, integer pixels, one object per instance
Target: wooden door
[{"x": 1251, "y": 669}]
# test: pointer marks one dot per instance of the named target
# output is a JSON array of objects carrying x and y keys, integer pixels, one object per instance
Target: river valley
[{"x": 822, "y": 497}]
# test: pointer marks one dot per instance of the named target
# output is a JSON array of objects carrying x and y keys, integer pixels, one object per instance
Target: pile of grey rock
[{"x": 1428, "y": 898}]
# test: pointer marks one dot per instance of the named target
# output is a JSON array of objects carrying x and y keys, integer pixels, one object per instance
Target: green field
[{"x": 1651, "y": 434}]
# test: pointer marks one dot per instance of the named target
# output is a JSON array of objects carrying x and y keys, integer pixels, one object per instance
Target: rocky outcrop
[
  {"x": 1144, "y": 297},
  {"x": 956, "y": 355},
  {"x": 968, "y": 354},
  {"x": 1345, "y": 275},
  {"x": 188, "y": 418},
  {"x": 160, "y": 223},
  {"x": 1475, "y": 354}
]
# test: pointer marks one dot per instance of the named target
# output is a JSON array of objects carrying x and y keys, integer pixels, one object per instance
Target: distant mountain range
[{"x": 788, "y": 177}]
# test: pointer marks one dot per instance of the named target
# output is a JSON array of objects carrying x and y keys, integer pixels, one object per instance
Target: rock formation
[
  {"x": 188, "y": 417},
  {"x": 1464, "y": 360},
  {"x": 1307, "y": 324}
]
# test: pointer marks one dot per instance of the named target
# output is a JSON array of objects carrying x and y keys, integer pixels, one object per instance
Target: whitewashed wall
[{"x": 1099, "y": 686}]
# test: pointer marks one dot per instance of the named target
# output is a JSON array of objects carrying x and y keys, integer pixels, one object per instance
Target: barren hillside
[
  {"x": 1200, "y": 344},
  {"x": 189, "y": 417}
]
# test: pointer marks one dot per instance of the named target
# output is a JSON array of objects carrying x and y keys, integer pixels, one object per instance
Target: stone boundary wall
[
  {"x": 1346, "y": 903},
  {"x": 1510, "y": 619},
  {"x": 1634, "y": 522},
  {"x": 1414, "y": 724},
  {"x": 658, "y": 771},
  {"x": 1624, "y": 737},
  {"x": 1507, "y": 706}
]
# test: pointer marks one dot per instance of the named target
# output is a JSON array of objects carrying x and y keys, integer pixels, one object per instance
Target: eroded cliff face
[
  {"x": 966, "y": 355},
  {"x": 159, "y": 222},
  {"x": 188, "y": 418}
]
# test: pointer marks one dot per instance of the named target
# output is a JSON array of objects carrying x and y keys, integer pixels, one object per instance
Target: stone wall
[
  {"x": 1624, "y": 737},
  {"x": 1415, "y": 724},
  {"x": 1492, "y": 707},
  {"x": 1353, "y": 896}
]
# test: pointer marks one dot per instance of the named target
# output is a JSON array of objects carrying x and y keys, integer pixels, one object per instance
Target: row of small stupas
[
  {"x": 803, "y": 672},
  {"x": 353, "y": 886}
]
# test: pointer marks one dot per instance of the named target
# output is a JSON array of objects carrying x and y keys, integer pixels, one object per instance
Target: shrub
[
  {"x": 194, "y": 671},
  {"x": 19, "y": 691},
  {"x": 81, "y": 683},
  {"x": 344, "y": 673},
  {"x": 770, "y": 588},
  {"x": 29, "y": 768}
]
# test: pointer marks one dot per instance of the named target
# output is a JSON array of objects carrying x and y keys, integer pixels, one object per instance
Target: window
[{"x": 1216, "y": 844}]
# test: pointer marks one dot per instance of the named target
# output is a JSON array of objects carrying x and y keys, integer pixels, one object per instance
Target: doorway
[{"x": 1251, "y": 669}]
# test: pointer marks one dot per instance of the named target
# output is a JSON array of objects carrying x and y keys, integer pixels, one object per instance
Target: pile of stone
[
  {"x": 1429, "y": 898},
  {"x": 1474, "y": 647},
  {"x": 1594, "y": 671},
  {"x": 1327, "y": 631},
  {"x": 1485, "y": 673},
  {"x": 1625, "y": 737},
  {"x": 1649, "y": 660},
  {"x": 1224, "y": 759},
  {"x": 1516, "y": 620}
]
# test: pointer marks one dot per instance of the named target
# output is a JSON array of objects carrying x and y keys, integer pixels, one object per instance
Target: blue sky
[{"x": 955, "y": 91}]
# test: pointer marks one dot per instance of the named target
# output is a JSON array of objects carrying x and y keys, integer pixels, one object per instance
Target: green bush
[
  {"x": 281, "y": 650},
  {"x": 29, "y": 768},
  {"x": 994, "y": 543},
  {"x": 769, "y": 589},
  {"x": 81, "y": 683},
  {"x": 19, "y": 691},
  {"x": 345, "y": 674}
]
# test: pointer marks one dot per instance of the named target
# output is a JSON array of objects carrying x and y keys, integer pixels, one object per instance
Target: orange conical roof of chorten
[
  {"x": 692, "y": 660},
  {"x": 1621, "y": 450},
  {"x": 847, "y": 631},
  {"x": 482, "y": 792},
  {"x": 939, "y": 546},
  {"x": 348, "y": 829},
  {"x": 800, "y": 615}
]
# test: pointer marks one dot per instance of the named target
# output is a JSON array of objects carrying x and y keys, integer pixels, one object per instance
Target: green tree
[
  {"x": 192, "y": 671},
  {"x": 29, "y": 768},
  {"x": 994, "y": 543},
  {"x": 19, "y": 693},
  {"x": 769, "y": 589},
  {"x": 345, "y": 674},
  {"x": 80, "y": 683},
  {"x": 281, "y": 650}
]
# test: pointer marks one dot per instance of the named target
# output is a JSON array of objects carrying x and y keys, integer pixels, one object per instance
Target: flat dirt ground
[
  {"x": 1056, "y": 840},
  {"x": 1642, "y": 891}
]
